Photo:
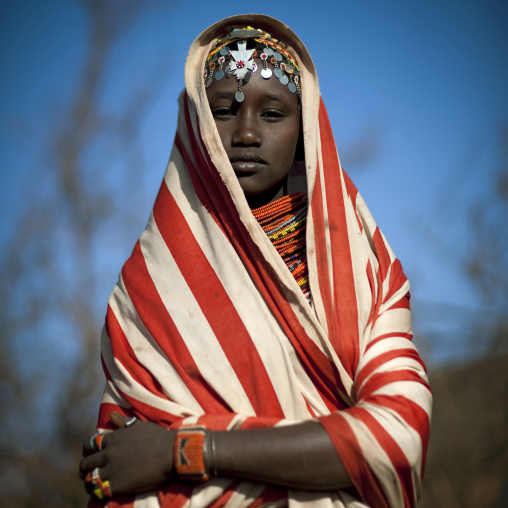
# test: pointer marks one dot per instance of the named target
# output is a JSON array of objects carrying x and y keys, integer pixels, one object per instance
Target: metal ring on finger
[{"x": 131, "y": 421}]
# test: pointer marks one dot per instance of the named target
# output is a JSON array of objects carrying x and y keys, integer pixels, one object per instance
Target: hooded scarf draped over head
[{"x": 207, "y": 324}]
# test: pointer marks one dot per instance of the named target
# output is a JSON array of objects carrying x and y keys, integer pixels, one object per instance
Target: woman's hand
[{"x": 132, "y": 459}]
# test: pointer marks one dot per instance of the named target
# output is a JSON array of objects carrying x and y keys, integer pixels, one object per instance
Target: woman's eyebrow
[
  {"x": 222, "y": 95},
  {"x": 276, "y": 97}
]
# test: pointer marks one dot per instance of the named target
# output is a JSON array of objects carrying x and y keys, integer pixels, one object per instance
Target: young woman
[{"x": 257, "y": 346}]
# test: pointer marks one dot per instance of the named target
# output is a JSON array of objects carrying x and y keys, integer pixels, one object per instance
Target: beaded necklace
[{"x": 284, "y": 221}]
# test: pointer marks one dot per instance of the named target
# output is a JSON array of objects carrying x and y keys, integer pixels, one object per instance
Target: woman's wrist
[{"x": 211, "y": 453}]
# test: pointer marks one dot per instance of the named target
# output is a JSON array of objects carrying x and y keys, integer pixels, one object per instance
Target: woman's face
[{"x": 259, "y": 135}]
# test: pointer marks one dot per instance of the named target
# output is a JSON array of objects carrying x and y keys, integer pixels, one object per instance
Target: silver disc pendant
[
  {"x": 208, "y": 81},
  {"x": 284, "y": 80},
  {"x": 247, "y": 77},
  {"x": 278, "y": 73},
  {"x": 224, "y": 51},
  {"x": 277, "y": 57},
  {"x": 239, "y": 96},
  {"x": 268, "y": 51},
  {"x": 219, "y": 75},
  {"x": 266, "y": 73},
  {"x": 292, "y": 87}
]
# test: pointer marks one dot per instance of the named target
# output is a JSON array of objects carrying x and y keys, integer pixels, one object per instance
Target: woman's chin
[{"x": 265, "y": 196}]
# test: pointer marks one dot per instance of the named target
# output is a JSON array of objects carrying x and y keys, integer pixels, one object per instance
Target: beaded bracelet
[{"x": 190, "y": 453}]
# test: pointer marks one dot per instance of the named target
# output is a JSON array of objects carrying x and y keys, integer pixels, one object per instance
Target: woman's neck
[{"x": 257, "y": 200}]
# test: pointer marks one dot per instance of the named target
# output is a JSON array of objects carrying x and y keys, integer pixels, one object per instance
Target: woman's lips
[
  {"x": 246, "y": 163},
  {"x": 246, "y": 166}
]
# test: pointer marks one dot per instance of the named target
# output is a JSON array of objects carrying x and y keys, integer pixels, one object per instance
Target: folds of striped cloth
[{"x": 208, "y": 325}]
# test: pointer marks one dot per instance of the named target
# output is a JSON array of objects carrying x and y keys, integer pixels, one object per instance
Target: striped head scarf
[{"x": 207, "y": 324}]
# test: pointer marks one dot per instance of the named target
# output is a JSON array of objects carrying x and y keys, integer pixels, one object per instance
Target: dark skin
[{"x": 260, "y": 136}]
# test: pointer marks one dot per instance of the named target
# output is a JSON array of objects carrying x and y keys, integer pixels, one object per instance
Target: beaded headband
[{"x": 225, "y": 61}]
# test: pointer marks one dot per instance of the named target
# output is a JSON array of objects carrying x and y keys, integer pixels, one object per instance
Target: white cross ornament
[{"x": 242, "y": 60}]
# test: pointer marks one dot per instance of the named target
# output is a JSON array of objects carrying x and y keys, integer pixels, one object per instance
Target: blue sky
[{"x": 426, "y": 82}]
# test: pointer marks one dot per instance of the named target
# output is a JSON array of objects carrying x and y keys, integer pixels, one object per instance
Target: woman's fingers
[
  {"x": 92, "y": 461},
  {"x": 120, "y": 421},
  {"x": 130, "y": 460},
  {"x": 97, "y": 485},
  {"x": 94, "y": 443}
]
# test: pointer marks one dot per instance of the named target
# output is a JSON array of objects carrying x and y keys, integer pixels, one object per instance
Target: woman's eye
[
  {"x": 273, "y": 114},
  {"x": 222, "y": 112}
]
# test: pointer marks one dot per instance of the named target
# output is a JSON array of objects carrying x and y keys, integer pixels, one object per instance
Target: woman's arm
[
  {"x": 300, "y": 456},
  {"x": 140, "y": 458}
]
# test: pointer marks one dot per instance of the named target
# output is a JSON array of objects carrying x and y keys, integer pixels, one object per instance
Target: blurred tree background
[
  {"x": 54, "y": 276},
  {"x": 467, "y": 464}
]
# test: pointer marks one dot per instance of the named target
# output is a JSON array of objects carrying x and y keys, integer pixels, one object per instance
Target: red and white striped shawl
[{"x": 207, "y": 324}]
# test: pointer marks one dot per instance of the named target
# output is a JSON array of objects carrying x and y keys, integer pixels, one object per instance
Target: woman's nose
[{"x": 247, "y": 132}]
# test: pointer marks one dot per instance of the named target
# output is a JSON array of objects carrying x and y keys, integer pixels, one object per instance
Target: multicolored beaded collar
[
  {"x": 285, "y": 223},
  {"x": 226, "y": 61}
]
